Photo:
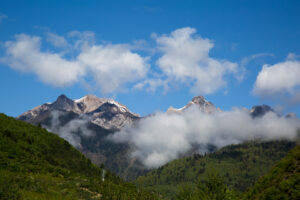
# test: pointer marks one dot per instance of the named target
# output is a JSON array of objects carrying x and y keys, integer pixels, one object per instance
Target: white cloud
[
  {"x": 185, "y": 58},
  {"x": 152, "y": 84},
  {"x": 56, "y": 40},
  {"x": 82, "y": 39},
  {"x": 24, "y": 54},
  {"x": 113, "y": 65},
  {"x": 163, "y": 137},
  {"x": 278, "y": 79},
  {"x": 72, "y": 131}
]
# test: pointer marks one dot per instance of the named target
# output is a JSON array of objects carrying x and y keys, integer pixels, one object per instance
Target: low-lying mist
[
  {"x": 163, "y": 137},
  {"x": 72, "y": 130}
]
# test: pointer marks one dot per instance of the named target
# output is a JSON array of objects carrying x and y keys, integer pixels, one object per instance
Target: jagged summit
[
  {"x": 63, "y": 103},
  {"x": 260, "y": 110},
  {"x": 104, "y": 112},
  {"x": 199, "y": 100},
  {"x": 204, "y": 105},
  {"x": 89, "y": 103}
]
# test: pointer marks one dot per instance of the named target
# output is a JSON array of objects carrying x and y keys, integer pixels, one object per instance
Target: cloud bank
[{"x": 165, "y": 136}]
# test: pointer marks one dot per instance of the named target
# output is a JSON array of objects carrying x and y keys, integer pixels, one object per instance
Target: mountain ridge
[
  {"x": 85, "y": 105},
  {"x": 100, "y": 118}
]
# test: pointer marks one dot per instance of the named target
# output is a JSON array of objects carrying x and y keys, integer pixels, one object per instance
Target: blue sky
[{"x": 228, "y": 40}]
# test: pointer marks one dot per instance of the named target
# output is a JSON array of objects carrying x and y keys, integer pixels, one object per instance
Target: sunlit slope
[
  {"x": 281, "y": 182},
  {"x": 36, "y": 164},
  {"x": 239, "y": 165}
]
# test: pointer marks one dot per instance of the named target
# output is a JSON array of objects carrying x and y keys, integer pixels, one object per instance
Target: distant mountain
[
  {"x": 86, "y": 123},
  {"x": 204, "y": 105},
  {"x": 36, "y": 164},
  {"x": 260, "y": 110},
  {"x": 103, "y": 112}
]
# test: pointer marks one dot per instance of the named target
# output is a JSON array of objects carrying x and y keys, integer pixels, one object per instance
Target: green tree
[{"x": 211, "y": 188}]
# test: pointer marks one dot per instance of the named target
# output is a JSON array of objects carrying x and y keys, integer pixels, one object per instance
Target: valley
[{"x": 239, "y": 166}]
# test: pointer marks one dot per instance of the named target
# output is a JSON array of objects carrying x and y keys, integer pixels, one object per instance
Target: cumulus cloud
[
  {"x": 112, "y": 65},
  {"x": 25, "y": 54},
  {"x": 279, "y": 78},
  {"x": 185, "y": 58},
  {"x": 71, "y": 131},
  {"x": 163, "y": 137}
]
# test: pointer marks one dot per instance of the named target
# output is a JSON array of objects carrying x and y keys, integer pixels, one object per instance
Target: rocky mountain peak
[
  {"x": 108, "y": 107},
  {"x": 204, "y": 105},
  {"x": 260, "y": 110},
  {"x": 63, "y": 103},
  {"x": 89, "y": 103},
  {"x": 104, "y": 112},
  {"x": 199, "y": 100}
]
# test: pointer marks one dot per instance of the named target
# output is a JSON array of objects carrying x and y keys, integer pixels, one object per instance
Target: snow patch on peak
[
  {"x": 91, "y": 102},
  {"x": 205, "y": 106},
  {"x": 120, "y": 106},
  {"x": 86, "y": 98}
]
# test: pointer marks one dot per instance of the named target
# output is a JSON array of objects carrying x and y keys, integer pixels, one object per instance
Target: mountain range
[
  {"x": 103, "y": 112},
  {"x": 87, "y": 122},
  {"x": 113, "y": 115}
]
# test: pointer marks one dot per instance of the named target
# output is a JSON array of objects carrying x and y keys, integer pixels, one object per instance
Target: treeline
[{"x": 240, "y": 166}]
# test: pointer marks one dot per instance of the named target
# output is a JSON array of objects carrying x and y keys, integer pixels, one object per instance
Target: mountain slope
[
  {"x": 240, "y": 165},
  {"x": 281, "y": 182},
  {"x": 36, "y": 164}
]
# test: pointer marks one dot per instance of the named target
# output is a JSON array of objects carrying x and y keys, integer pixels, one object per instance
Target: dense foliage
[
  {"x": 211, "y": 188},
  {"x": 281, "y": 182},
  {"x": 239, "y": 165},
  {"x": 36, "y": 164}
]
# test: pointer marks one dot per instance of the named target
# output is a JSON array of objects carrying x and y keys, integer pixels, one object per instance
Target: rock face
[
  {"x": 260, "y": 110},
  {"x": 204, "y": 105},
  {"x": 103, "y": 112}
]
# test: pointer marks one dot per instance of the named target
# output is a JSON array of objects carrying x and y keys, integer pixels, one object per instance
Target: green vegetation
[
  {"x": 281, "y": 182},
  {"x": 212, "y": 188},
  {"x": 240, "y": 166},
  {"x": 36, "y": 164}
]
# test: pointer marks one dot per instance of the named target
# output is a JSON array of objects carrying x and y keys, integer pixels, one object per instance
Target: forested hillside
[
  {"x": 36, "y": 164},
  {"x": 281, "y": 182},
  {"x": 238, "y": 165}
]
